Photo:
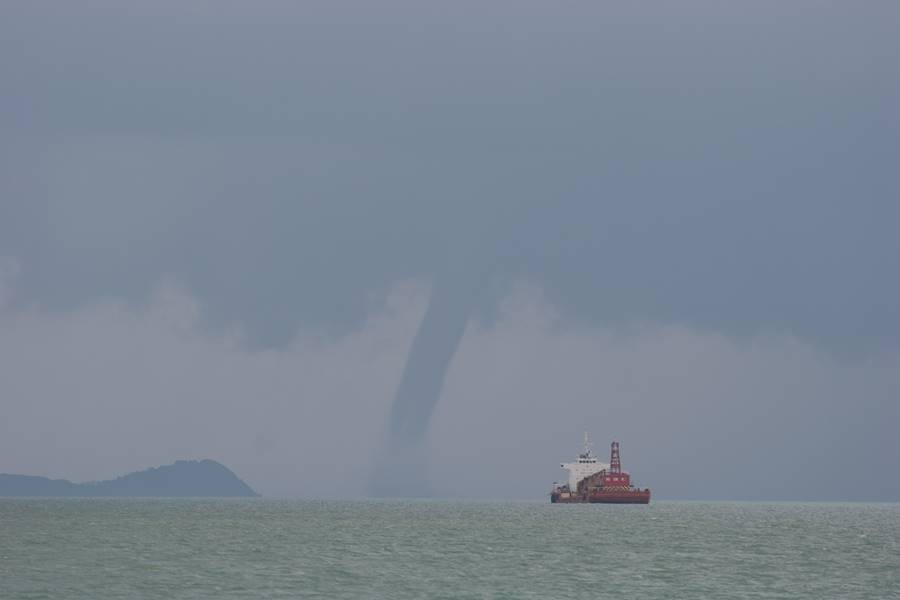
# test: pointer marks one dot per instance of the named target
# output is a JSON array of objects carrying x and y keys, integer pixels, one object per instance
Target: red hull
[
  {"x": 629, "y": 497},
  {"x": 601, "y": 497}
]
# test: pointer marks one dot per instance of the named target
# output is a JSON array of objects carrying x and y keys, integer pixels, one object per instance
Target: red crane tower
[{"x": 615, "y": 477}]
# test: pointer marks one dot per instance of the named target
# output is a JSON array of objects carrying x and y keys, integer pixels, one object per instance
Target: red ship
[{"x": 595, "y": 482}]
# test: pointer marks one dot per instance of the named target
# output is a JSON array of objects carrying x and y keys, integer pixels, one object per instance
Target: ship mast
[{"x": 587, "y": 445}]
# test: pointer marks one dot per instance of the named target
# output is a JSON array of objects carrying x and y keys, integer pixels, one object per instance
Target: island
[{"x": 184, "y": 478}]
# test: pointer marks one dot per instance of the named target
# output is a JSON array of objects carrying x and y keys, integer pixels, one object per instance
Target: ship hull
[
  {"x": 629, "y": 497},
  {"x": 603, "y": 497}
]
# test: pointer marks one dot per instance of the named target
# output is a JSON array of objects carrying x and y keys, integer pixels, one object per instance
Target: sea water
[{"x": 393, "y": 549}]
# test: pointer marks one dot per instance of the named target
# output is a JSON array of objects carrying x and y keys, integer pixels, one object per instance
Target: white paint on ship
[{"x": 584, "y": 466}]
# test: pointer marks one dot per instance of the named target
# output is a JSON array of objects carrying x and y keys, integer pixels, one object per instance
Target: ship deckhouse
[{"x": 584, "y": 466}]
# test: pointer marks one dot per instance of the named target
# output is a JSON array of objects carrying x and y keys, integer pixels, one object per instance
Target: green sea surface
[{"x": 394, "y": 549}]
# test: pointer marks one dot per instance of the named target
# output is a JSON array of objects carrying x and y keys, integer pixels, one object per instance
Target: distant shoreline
[{"x": 182, "y": 479}]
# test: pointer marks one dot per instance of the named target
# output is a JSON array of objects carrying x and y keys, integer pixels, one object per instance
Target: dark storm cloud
[{"x": 721, "y": 166}]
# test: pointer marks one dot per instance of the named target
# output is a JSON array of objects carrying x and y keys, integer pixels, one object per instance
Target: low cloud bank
[{"x": 112, "y": 388}]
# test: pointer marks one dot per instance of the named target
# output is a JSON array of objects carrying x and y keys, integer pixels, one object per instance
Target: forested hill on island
[{"x": 184, "y": 478}]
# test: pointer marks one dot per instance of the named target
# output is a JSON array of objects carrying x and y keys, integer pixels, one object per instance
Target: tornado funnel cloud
[
  {"x": 429, "y": 357},
  {"x": 401, "y": 468}
]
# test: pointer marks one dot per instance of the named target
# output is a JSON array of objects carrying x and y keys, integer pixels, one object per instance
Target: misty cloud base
[{"x": 109, "y": 388}]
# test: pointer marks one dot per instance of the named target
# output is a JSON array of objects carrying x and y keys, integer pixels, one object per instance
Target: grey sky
[{"x": 652, "y": 182}]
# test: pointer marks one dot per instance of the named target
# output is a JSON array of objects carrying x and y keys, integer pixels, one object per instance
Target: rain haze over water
[{"x": 349, "y": 249}]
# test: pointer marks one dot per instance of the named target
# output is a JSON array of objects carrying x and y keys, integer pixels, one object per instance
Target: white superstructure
[{"x": 585, "y": 465}]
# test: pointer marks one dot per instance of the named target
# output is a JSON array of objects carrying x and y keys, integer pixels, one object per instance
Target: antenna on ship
[
  {"x": 587, "y": 444},
  {"x": 615, "y": 463}
]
